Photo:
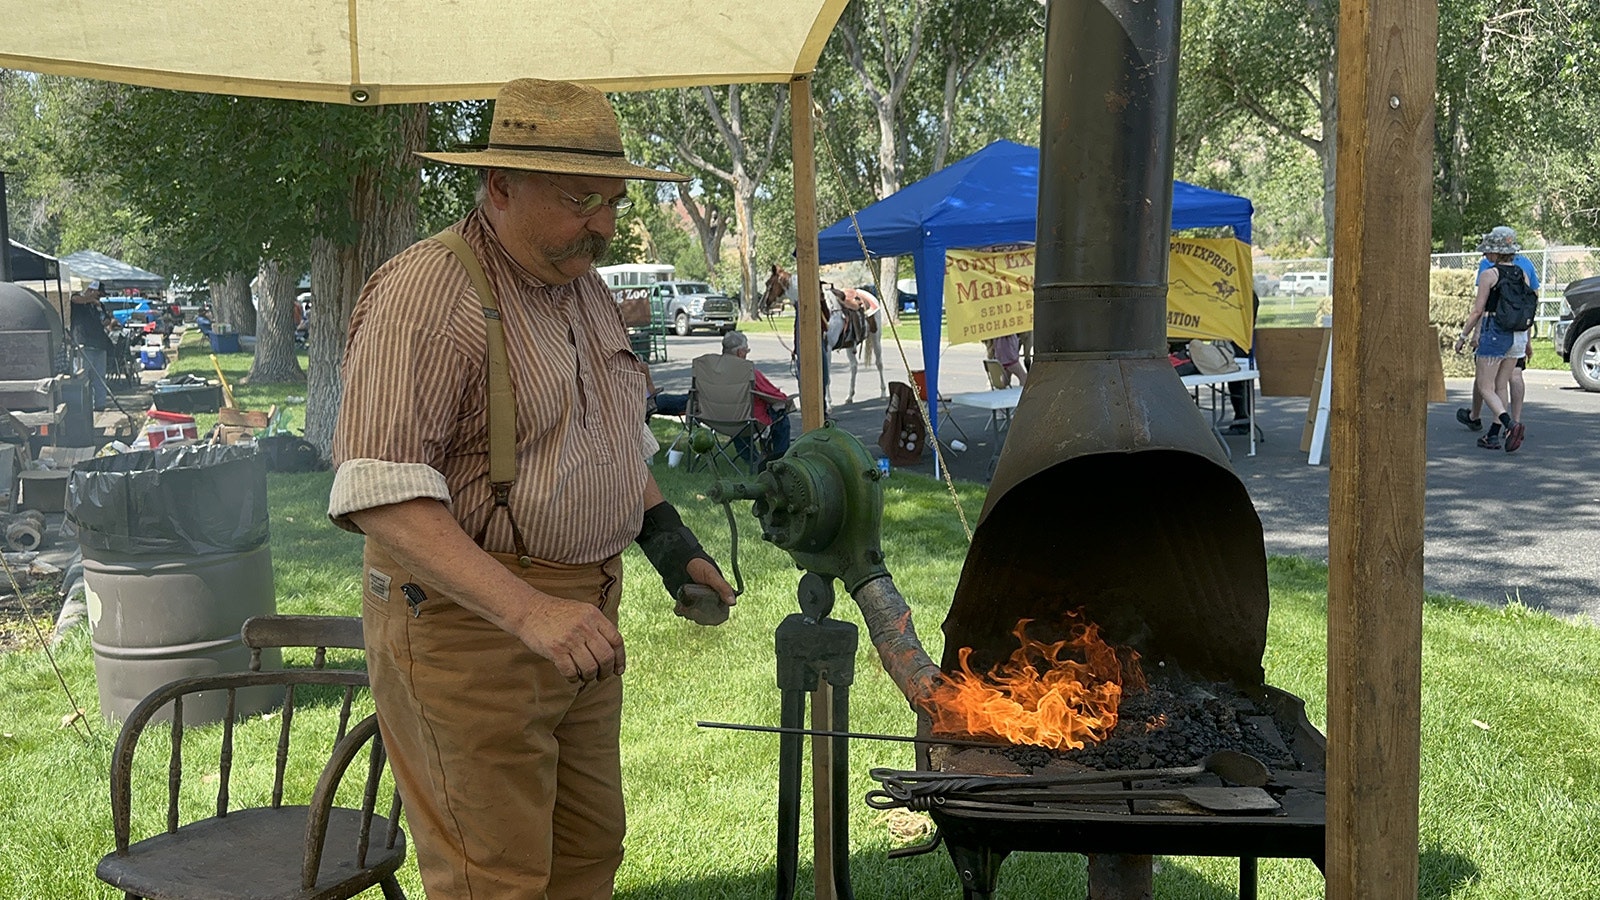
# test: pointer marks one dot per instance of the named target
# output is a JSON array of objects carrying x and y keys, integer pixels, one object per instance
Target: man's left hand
[{"x": 705, "y": 573}]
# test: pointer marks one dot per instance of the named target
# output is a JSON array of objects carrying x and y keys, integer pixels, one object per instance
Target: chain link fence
[{"x": 1300, "y": 287}]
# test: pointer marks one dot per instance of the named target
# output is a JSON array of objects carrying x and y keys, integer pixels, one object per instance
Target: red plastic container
[
  {"x": 164, "y": 417},
  {"x": 159, "y": 433}
]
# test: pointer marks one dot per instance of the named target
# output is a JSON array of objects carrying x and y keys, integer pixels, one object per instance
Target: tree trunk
[
  {"x": 388, "y": 224},
  {"x": 745, "y": 220},
  {"x": 275, "y": 361},
  {"x": 230, "y": 303},
  {"x": 709, "y": 226}
]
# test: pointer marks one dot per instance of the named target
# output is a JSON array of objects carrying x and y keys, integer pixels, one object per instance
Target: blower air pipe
[{"x": 894, "y": 636}]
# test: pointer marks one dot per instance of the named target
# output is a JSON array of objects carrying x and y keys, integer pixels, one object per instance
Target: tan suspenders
[{"x": 502, "y": 403}]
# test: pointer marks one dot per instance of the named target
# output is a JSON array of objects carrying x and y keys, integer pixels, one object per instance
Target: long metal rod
[{"x": 858, "y": 735}]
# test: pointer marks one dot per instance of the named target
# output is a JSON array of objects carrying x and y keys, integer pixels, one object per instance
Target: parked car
[
  {"x": 689, "y": 305},
  {"x": 1577, "y": 333},
  {"x": 124, "y": 309},
  {"x": 1303, "y": 284},
  {"x": 1265, "y": 284}
]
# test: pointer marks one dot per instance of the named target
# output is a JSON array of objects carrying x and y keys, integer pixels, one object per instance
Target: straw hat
[
  {"x": 556, "y": 127},
  {"x": 1500, "y": 239}
]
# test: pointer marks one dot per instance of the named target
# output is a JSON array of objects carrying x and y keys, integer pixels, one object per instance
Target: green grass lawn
[{"x": 1510, "y": 765}]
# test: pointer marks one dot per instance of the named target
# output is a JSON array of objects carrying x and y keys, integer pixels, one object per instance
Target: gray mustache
[{"x": 592, "y": 246}]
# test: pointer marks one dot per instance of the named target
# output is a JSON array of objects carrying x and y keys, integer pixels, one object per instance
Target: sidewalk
[{"x": 1522, "y": 525}]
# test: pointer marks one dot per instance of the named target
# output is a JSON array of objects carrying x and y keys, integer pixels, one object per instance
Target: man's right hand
[
  {"x": 422, "y": 535},
  {"x": 576, "y": 637}
]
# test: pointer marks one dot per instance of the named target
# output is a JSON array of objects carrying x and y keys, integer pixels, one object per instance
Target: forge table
[{"x": 979, "y": 841}]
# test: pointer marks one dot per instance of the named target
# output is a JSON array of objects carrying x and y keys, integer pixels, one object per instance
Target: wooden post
[
  {"x": 809, "y": 346},
  {"x": 1379, "y": 439}
]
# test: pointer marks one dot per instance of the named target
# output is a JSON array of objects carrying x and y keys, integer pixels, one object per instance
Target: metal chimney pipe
[
  {"x": 1105, "y": 178},
  {"x": 1107, "y": 453}
]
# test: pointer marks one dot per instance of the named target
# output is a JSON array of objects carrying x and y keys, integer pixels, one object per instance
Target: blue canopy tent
[{"x": 990, "y": 197}]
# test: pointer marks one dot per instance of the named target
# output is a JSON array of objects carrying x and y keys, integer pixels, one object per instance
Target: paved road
[{"x": 1522, "y": 525}]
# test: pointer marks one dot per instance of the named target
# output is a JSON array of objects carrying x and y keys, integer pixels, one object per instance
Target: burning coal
[{"x": 1061, "y": 695}]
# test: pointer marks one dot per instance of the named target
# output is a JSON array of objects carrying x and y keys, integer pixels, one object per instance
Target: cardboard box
[
  {"x": 234, "y": 434},
  {"x": 245, "y": 418}
]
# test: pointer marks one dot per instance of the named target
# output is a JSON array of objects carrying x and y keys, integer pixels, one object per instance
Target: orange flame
[{"x": 1038, "y": 697}]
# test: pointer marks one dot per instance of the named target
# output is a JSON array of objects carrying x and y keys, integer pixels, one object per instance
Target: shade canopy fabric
[
  {"x": 28, "y": 264},
  {"x": 113, "y": 274},
  {"x": 988, "y": 198},
  {"x": 412, "y": 51},
  {"x": 992, "y": 197}
]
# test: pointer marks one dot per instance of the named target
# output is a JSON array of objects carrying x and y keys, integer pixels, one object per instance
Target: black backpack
[
  {"x": 1516, "y": 303},
  {"x": 288, "y": 453}
]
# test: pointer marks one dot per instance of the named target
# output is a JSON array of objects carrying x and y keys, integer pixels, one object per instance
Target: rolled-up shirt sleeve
[{"x": 405, "y": 371}]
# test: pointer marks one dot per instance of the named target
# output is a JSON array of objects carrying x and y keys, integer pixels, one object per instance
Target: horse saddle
[{"x": 855, "y": 328}]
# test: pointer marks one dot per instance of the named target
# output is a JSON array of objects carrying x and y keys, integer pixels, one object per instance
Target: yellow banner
[
  {"x": 1208, "y": 290},
  {"x": 989, "y": 292}
]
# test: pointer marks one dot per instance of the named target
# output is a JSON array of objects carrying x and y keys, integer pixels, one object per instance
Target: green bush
[{"x": 1450, "y": 296}]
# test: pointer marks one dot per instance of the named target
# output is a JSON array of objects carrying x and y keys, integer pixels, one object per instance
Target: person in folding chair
[
  {"x": 768, "y": 404},
  {"x": 488, "y": 446},
  {"x": 732, "y": 397}
]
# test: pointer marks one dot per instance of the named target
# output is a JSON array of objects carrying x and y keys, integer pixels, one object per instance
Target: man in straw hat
[{"x": 496, "y": 509}]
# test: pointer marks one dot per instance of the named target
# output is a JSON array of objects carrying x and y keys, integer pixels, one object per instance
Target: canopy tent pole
[
  {"x": 5, "y": 233},
  {"x": 930, "y": 322},
  {"x": 1378, "y": 466}
]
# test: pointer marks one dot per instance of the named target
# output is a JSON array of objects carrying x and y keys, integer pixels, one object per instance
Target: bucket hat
[
  {"x": 1500, "y": 239},
  {"x": 556, "y": 127}
]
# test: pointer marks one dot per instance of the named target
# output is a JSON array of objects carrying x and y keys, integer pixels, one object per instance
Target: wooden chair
[{"x": 316, "y": 851}]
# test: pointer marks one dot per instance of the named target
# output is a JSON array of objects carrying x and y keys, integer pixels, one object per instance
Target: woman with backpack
[{"x": 1498, "y": 328}]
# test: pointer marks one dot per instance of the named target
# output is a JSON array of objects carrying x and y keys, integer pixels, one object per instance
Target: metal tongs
[{"x": 926, "y": 790}]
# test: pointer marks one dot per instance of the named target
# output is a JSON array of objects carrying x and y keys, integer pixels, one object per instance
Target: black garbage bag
[{"x": 194, "y": 500}]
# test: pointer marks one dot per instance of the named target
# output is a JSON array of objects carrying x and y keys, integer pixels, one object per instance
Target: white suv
[{"x": 1303, "y": 284}]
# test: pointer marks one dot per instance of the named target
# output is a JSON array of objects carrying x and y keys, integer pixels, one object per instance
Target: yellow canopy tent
[{"x": 412, "y": 51}]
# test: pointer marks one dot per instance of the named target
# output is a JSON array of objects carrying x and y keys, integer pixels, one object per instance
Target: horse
[
  {"x": 853, "y": 321},
  {"x": 777, "y": 287},
  {"x": 849, "y": 321}
]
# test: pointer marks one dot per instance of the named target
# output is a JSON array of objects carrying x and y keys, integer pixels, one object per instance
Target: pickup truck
[
  {"x": 688, "y": 305},
  {"x": 1577, "y": 332}
]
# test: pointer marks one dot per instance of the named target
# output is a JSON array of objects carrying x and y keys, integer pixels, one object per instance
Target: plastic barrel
[
  {"x": 156, "y": 619},
  {"x": 176, "y": 555}
]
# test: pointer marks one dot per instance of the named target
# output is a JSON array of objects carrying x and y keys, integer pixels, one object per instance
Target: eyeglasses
[{"x": 589, "y": 204}]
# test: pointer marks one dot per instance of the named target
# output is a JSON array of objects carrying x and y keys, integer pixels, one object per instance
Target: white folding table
[
  {"x": 1217, "y": 390},
  {"x": 999, "y": 404}
]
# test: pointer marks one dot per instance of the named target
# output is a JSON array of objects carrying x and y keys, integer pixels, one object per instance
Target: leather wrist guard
[{"x": 669, "y": 545}]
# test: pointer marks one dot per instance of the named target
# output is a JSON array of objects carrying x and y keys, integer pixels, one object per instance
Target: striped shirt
[{"x": 413, "y": 421}]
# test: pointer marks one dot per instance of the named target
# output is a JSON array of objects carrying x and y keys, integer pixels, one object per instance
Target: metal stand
[{"x": 815, "y": 653}]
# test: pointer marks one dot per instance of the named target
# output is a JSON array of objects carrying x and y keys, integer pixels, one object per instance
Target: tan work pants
[{"x": 511, "y": 775}]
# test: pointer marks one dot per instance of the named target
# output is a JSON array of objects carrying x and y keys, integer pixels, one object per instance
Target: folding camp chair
[{"x": 721, "y": 404}]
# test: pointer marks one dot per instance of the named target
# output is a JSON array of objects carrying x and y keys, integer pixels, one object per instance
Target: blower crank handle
[{"x": 701, "y": 603}]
